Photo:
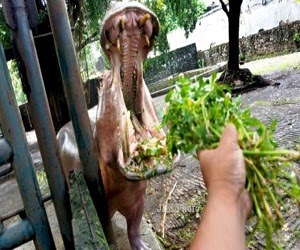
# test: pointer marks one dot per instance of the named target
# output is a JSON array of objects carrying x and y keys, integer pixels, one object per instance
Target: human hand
[
  {"x": 224, "y": 170},
  {"x": 228, "y": 204}
]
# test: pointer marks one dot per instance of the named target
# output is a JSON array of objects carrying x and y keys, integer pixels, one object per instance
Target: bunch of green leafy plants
[
  {"x": 196, "y": 116},
  {"x": 148, "y": 155}
]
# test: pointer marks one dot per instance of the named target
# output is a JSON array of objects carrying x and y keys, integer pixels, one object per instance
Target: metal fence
[{"x": 33, "y": 224}]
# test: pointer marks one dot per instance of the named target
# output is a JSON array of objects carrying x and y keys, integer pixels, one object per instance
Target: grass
[
  {"x": 42, "y": 180},
  {"x": 279, "y": 63}
]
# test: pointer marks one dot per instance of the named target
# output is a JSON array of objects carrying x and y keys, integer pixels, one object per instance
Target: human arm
[{"x": 223, "y": 222}]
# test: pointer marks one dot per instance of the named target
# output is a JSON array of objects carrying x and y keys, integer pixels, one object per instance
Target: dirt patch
[{"x": 188, "y": 198}]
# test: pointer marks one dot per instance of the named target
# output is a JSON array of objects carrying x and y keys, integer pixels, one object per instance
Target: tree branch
[
  {"x": 92, "y": 38},
  {"x": 224, "y": 7}
]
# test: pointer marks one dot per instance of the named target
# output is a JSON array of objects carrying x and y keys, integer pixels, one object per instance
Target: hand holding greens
[{"x": 196, "y": 116}]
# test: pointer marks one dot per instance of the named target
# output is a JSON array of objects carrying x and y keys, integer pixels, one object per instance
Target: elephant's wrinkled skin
[{"x": 125, "y": 114}]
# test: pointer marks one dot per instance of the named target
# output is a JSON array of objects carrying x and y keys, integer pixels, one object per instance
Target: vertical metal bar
[
  {"x": 13, "y": 131},
  {"x": 42, "y": 122},
  {"x": 77, "y": 106}
]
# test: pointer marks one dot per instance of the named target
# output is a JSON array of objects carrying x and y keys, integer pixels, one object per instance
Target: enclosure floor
[{"x": 11, "y": 200}]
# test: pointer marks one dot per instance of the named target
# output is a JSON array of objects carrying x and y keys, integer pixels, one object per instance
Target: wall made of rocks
[{"x": 275, "y": 41}]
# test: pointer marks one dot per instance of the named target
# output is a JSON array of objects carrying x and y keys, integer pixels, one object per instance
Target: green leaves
[
  {"x": 173, "y": 14},
  {"x": 188, "y": 108},
  {"x": 5, "y": 36},
  {"x": 196, "y": 116}
]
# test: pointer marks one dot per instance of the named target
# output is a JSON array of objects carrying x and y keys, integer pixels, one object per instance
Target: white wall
[{"x": 212, "y": 28}]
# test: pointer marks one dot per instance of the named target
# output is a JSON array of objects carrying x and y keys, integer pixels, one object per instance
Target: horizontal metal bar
[
  {"x": 5, "y": 152},
  {"x": 16, "y": 235},
  {"x": 6, "y": 171},
  {"x": 19, "y": 211},
  {"x": 46, "y": 34}
]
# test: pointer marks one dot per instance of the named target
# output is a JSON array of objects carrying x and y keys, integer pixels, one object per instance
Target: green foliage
[
  {"x": 166, "y": 23},
  {"x": 4, "y": 32},
  {"x": 93, "y": 12},
  {"x": 86, "y": 32},
  {"x": 196, "y": 116},
  {"x": 155, "y": 61},
  {"x": 242, "y": 57},
  {"x": 174, "y": 14},
  {"x": 201, "y": 63},
  {"x": 90, "y": 15},
  {"x": 42, "y": 180},
  {"x": 296, "y": 37},
  {"x": 187, "y": 13},
  {"x": 17, "y": 84},
  {"x": 88, "y": 61}
]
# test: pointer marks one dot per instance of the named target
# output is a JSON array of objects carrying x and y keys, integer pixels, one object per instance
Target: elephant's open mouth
[{"x": 128, "y": 122}]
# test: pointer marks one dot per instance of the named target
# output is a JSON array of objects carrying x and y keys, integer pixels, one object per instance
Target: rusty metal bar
[
  {"x": 5, "y": 152},
  {"x": 77, "y": 106},
  {"x": 16, "y": 235},
  {"x": 13, "y": 131},
  {"x": 42, "y": 121}
]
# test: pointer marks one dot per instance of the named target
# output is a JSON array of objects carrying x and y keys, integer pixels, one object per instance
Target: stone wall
[
  {"x": 275, "y": 41},
  {"x": 171, "y": 63}
]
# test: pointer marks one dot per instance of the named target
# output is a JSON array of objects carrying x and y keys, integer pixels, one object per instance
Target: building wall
[{"x": 256, "y": 15}]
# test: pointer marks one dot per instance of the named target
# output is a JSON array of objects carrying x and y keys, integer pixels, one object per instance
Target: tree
[
  {"x": 238, "y": 79},
  {"x": 233, "y": 14},
  {"x": 174, "y": 14}
]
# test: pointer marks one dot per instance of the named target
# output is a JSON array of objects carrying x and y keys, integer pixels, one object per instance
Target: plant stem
[
  {"x": 294, "y": 154},
  {"x": 241, "y": 125}
]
